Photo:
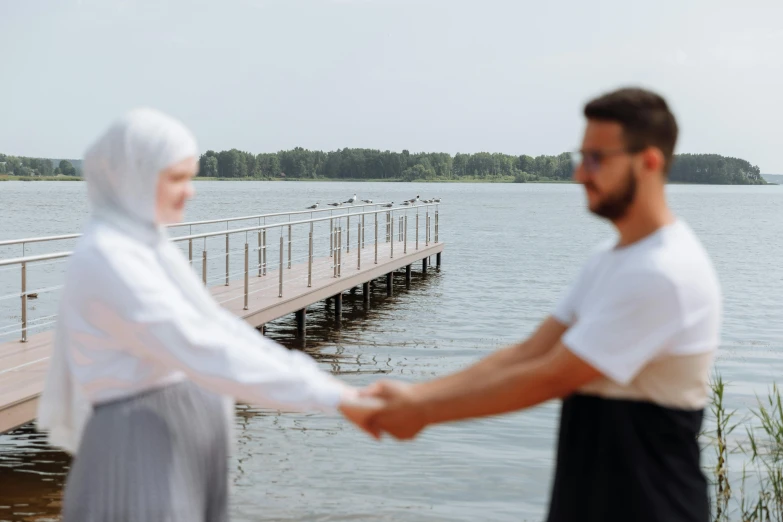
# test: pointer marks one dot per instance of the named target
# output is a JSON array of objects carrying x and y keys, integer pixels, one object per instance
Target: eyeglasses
[{"x": 591, "y": 159}]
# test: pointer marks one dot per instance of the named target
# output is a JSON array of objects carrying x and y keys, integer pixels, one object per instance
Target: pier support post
[
  {"x": 338, "y": 309},
  {"x": 424, "y": 266},
  {"x": 389, "y": 284},
  {"x": 437, "y": 260},
  {"x": 366, "y": 295},
  {"x": 408, "y": 277},
  {"x": 301, "y": 322}
]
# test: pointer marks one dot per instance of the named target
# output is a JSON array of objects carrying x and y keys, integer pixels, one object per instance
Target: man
[{"x": 628, "y": 348}]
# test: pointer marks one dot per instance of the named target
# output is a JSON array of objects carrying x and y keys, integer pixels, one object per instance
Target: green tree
[
  {"x": 66, "y": 168},
  {"x": 209, "y": 167}
]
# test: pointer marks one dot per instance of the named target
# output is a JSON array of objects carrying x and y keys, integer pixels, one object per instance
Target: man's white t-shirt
[
  {"x": 634, "y": 308},
  {"x": 648, "y": 317}
]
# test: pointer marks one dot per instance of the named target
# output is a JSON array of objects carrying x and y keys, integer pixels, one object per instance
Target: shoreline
[
  {"x": 381, "y": 180},
  {"x": 4, "y": 177}
]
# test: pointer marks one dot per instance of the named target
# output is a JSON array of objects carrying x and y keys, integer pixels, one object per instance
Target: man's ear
[{"x": 653, "y": 159}]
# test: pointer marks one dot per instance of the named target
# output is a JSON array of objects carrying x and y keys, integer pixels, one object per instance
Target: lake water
[{"x": 510, "y": 251}]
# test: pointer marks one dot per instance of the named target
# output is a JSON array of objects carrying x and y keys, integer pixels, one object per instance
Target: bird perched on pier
[
  {"x": 414, "y": 200},
  {"x": 351, "y": 200},
  {"x": 436, "y": 200},
  {"x": 366, "y": 201},
  {"x": 335, "y": 204},
  {"x": 313, "y": 207},
  {"x": 405, "y": 203},
  {"x": 388, "y": 205}
]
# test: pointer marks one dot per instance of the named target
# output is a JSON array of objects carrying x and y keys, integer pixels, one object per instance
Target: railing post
[
  {"x": 340, "y": 252},
  {"x": 247, "y": 272},
  {"x": 363, "y": 232},
  {"x": 436, "y": 225},
  {"x": 312, "y": 230},
  {"x": 391, "y": 224},
  {"x": 388, "y": 226},
  {"x": 333, "y": 252},
  {"x": 427, "y": 235},
  {"x": 280, "y": 292},
  {"x": 310, "y": 259},
  {"x": 264, "y": 249},
  {"x": 24, "y": 302},
  {"x": 405, "y": 235},
  {"x": 376, "y": 238},
  {"x": 331, "y": 237},
  {"x": 260, "y": 261},
  {"x": 417, "y": 230},
  {"x": 190, "y": 252},
  {"x": 204, "y": 266},
  {"x": 289, "y": 246},
  {"x": 226, "y": 259},
  {"x": 359, "y": 247},
  {"x": 348, "y": 233}
]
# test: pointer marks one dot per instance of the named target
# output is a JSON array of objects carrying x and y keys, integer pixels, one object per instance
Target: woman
[{"x": 145, "y": 362}]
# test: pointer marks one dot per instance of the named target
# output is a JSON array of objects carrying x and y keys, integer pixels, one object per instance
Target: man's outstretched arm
[
  {"x": 479, "y": 392},
  {"x": 540, "y": 342}
]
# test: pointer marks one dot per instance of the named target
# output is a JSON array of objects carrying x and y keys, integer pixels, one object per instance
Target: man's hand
[{"x": 401, "y": 415}]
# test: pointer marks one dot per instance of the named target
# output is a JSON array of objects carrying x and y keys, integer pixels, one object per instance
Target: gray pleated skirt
[{"x": 161, "y": 456}]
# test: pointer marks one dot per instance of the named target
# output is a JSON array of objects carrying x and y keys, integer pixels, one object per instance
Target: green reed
[{"x": 762, "y": 452}]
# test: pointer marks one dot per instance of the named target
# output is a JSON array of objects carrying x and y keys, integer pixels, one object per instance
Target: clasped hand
[{"x": 386, "y": 407}]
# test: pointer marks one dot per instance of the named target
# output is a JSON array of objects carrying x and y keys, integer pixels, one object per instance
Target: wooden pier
[{"x": 264, "y": 291}]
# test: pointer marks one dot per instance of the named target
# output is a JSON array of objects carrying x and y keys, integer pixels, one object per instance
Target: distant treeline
[
  {"x": 22, "y": 166},
  {"x": 714, "y": 169},
  {"x": 364, "y": 164},
  {"x": 358, "y": 164}
]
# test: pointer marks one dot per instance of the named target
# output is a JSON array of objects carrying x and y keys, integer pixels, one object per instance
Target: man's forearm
[
  {"x": 556, "y": 373},
  {"x": 486, "y": 366},
  {"x": 543, "y": 339},
  {"x": 469, "y": 394}
]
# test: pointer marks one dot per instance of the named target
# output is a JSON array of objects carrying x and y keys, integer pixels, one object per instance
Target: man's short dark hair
[{"x": 644, "y": 116}]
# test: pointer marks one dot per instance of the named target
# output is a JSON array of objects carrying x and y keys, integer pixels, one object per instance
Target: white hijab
[{"x": 121, "y": 169}]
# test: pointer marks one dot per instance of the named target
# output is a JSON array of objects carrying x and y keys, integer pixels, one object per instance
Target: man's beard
[{"x": 614, "y": 206}]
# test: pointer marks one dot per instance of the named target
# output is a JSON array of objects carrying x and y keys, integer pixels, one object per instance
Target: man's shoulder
[
  {"x": 681, "y": 258},
  {"x": 675, "y": 265}
]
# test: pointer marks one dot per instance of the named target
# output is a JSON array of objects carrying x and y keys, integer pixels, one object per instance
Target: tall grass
[{"x": 759, "y": 495}]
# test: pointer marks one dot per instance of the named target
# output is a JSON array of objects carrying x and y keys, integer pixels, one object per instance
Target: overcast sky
[{"x": 448, "y": 76}]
